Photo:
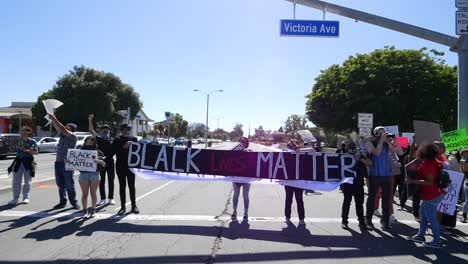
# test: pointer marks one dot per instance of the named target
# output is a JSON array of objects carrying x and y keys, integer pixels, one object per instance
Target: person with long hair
[
  {"x": 430, "y": 194},
  {"x": 236, "y": 186},
  {"x": 89, "y": 181}
]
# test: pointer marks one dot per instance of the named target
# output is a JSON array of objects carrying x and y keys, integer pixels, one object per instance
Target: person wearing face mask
[
  {"x": 236, "y": 186},
  {"x": 23, "y": 166},
  {"x": 64, "y": 178},
  {"x": 120, "y": 147},
  {"x": 104, "y": 142},
  {"x": 89, "y": 181}
]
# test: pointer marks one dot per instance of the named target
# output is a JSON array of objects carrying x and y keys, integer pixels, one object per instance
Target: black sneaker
[
  {"x": 135, "y": 210},
  {"x": 344, "y": 225},
  {"x": 246, "y": 217},
  {"x": 76, "y": 206},
  {"x": 386, "y": 226},
  {"x": 370, "y": 226},
  {"x": 418, "y": 239},
  {"x": 92, "y": 212},
  {"x": 433, "y": 244},
  {"x": 59, "y": 206},
  {"x": 121, "y": 211}
]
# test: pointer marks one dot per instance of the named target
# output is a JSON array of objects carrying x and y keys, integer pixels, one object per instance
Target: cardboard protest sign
[
  {"x": 426, "y": 132},
  {"x": 455, "y": 140},
  {"x": 238, "y": 147},
  {"x": 393, "y": 130},
  {"x": 404, "y": 142},
  {"x": 409, "y": 136},
  {"x": 449, "y": 203},
  {"x": 307, "y": 136},
  {"x": 81, "y": 160},
  {"x": 365, "y": 120}
]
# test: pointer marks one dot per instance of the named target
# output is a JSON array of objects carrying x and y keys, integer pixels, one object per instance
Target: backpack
[{"x": 444, "y": 179}]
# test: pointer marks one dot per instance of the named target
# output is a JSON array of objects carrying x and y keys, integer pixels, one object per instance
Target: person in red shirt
[{"x": 430, "y": 193}]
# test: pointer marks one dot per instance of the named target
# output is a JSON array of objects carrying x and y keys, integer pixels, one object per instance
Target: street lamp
[{"x": 207, "y": 107}]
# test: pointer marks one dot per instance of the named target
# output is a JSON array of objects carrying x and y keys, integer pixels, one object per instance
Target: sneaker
[
  {"x": 433, "y": 244},
  {"x": 234, "y": 216},
  {"x": 121, "y": 211},
  {"x": 92, "y": 212},
  {"x": 302, "y": 222},
  {"x": 111, "y": 202},
  {"x": 385, "y": 226},
  {"x": 102, "y": 202},
  {"x": 287, "y": 220},
  {"x": 370, "y": 226},
  {"x": 135, "y": 210},
  {"x": 392, "y": 219},
  {"x": 26, "y": 201},
  {"x": 85, "y": 214},
  {"x": 13, "y": 202},
  {"x": 362, "y": 225},
  {"x": 418, "y": 239},
  {"x": 344, "y": 225},
  {"x": 76, "y": 206},
  {"x": 377, "y": 213},
  {"x": 246, "y": 217},
  {"x": 59, "y": 206}
]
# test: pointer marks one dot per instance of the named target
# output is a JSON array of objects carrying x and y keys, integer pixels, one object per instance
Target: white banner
[
  {"x": 308, "y": 185},
  {"x": 81, "y": 160},
  {"x": 449, "y": 203}
]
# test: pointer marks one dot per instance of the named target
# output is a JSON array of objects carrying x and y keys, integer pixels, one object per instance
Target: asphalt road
[{"x": 189, "y": 222}]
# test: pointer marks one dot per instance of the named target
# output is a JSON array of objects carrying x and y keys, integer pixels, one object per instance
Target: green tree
[
  {"x": 179, "y": 126},
  {"x": 84, "y": 90},
  {"x": 196, "y": 130},
  {"x": 237, "y": 132},
  {"x": 397, "y": 86},
  {"x": 295, "y": 123},
  {"x": 160, "y": 128},
  {"x": 220, "y": 134}
]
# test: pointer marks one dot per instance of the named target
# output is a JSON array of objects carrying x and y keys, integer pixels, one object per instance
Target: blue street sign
[{"x": 309, "y": 28}]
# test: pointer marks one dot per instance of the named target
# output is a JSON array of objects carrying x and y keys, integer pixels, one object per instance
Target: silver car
[{"x": 47, "y": 144}]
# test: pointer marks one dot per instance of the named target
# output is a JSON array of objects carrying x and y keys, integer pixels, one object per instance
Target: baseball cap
[
  {"x": 73, "y": 126},
  {"x": 376, "y": 129}
]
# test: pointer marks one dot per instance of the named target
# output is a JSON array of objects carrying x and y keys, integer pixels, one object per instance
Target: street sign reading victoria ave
[
  {"x": 461, "y": 18},
  {"x": 461, "y": 3},
  {"x": 309, "y": 28}
]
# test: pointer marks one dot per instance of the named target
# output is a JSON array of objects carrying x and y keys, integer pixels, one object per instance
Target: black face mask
[{"x": 88, "y": 147}]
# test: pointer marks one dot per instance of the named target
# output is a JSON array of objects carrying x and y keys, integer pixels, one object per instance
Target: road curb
[{"x": 33, "y": 184}]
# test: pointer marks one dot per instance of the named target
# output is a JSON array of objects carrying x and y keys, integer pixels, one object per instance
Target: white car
[
  {"x": 47, "y": 144},
  {"x": 80, "y": 138}
]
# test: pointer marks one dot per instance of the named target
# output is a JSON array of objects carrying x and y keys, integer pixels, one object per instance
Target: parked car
[
  {"x": 179, "y": 142},
  {"x": 47, "y": 144},
  {"x": 9, "y": 145}
]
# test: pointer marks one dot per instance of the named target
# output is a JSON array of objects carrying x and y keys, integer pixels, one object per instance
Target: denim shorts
[{"x": 86, "y": 176}]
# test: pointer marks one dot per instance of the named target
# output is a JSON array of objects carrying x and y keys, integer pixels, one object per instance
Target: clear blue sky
[{"x": 165, "y": 49}]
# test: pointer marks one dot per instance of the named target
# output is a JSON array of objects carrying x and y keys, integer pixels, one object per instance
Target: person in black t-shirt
[
  {"x": 120, "y": 147},
  {"x": 356, "y": 189},
  {"x": 104, "y": 142}
]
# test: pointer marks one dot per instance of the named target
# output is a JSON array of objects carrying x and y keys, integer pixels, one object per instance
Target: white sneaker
[
  {"x": 377, "y": 213},
  {"x": 26, "y": 201},
  {"x": 111, "y": 201},
  {"x": 102, "y": 202},
  {"x": 392, "y": 219},
  {"x": 13, "y": 202}
]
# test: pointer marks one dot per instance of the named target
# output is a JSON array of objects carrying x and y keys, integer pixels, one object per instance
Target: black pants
[
  {"x": 402, "y": 189},
  {"x": 350, "y": 190},
  {"x": 416, "y": 203},
  {"x": 125, "y": 175},
  {"x": 110, "y": 170},
  {"x": 374, "y": 183},
  {"x": 290, "y": 191}
]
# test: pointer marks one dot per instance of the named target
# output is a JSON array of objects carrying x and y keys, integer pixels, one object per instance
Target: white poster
[
  {"x": 365, "y": 120},
  {"x": 50, "y": 105},
  {"x": 392, "y": 130},
  {"x": 81, "y": 160},
  {"x": 448, "y": 205}
]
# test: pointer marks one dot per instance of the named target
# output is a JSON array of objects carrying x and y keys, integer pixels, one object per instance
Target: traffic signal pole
[{"x": 458, "y": 45}]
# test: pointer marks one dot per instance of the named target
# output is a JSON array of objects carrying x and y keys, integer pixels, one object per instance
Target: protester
[
  {"x": 120, "y": 147},
  {"x": 104, "y": 142},
  {"x": 381, "y": 174},
  {"x": 400, "y": 183},
  {"x": 413, "y": 189},
  {"x": 23, "y": 166},
  {"x": 464, "y": 169},
  {"x": 245, "y": 189},
  {"x": 431, "y": 194},
  {"x": 89, "y": 181},
  {"x": 355, "y": 189},
  {"x": 294, "y": 191},
  {"x": 64, "y": 178}
]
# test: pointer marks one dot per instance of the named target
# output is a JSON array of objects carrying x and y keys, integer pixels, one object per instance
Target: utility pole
[{"x": 458, "y": 45}]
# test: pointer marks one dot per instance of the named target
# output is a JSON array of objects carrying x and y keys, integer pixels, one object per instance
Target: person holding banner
[
  {"x": 381, "y": 174},
  {"x": 120, "y": 147},
  {"x": 89, "y": 181},
  {"x": 431, "y": 195},
  {"x": 244, "y": 142},
  {"x": 104, "y": 143},
  {"x": 64, "y": 178},
  {"x": 23, "y": 166}
]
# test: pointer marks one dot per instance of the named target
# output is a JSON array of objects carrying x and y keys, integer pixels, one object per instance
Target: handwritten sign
[
  {"x": 426, "y": 132},
  {"x": 455, "y": 140},
  {"x": 449, "y": 203},
  {"x": 81, "y": 160},
  {"x": 393, "y": 130}
]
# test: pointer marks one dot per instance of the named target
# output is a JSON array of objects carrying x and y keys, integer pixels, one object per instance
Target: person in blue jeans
[
  {"x": 430, "y": 193},
  {"x": 64, "y": 178}
]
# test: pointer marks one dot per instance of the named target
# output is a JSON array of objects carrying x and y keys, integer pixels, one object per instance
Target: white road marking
[
  {"x": 148, "y": 193},
  {"x": 206, "y": 218}
]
